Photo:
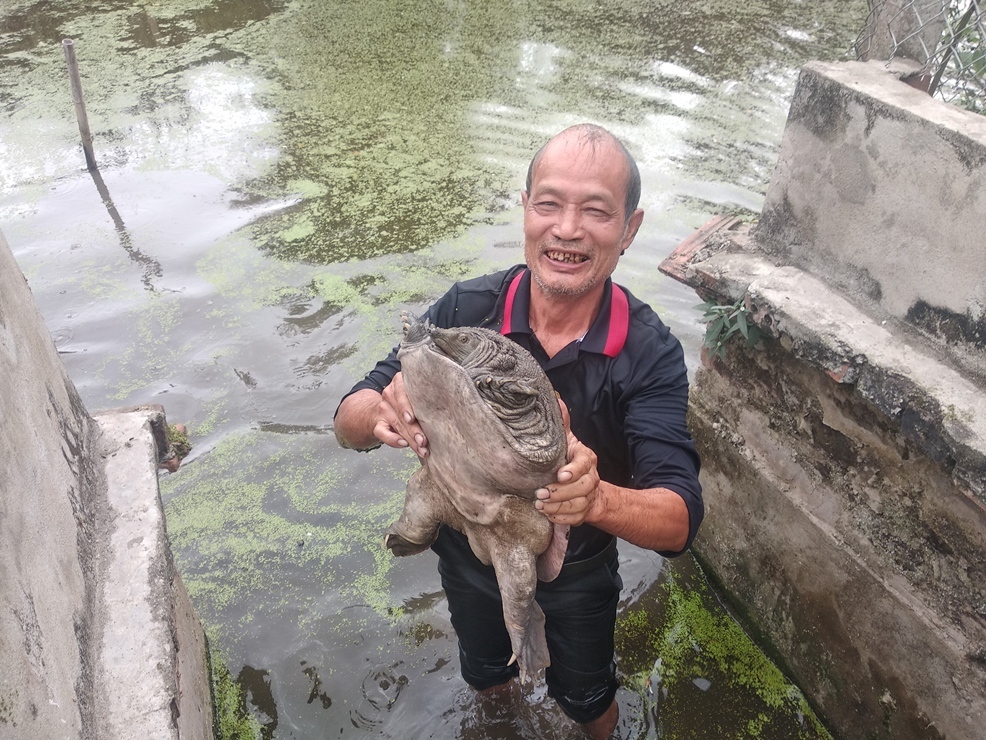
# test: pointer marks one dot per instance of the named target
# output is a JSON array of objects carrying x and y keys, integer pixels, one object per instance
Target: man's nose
[{"x": 568, "y": 225}]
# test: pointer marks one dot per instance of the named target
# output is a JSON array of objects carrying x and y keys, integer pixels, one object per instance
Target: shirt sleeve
[{"x": 662, "y": 453}]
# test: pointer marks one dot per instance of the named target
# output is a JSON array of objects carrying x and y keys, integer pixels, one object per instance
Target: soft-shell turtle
[{"x": 495, "y": 435}]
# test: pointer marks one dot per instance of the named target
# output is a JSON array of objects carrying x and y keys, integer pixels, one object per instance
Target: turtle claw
[
  {"x": 524, "y": 675},
  {"x": 402, "y": 547},
  {"x": 414, "y": 329}
]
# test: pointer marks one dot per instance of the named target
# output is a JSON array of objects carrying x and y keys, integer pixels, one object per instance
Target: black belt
[{"x": 593, "y": 561}]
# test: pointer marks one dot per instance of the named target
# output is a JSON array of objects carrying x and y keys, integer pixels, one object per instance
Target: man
[{"x": 632, "y": 469}]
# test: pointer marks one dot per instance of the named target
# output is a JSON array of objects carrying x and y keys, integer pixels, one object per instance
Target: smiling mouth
[{"x": 575, "y": 259}]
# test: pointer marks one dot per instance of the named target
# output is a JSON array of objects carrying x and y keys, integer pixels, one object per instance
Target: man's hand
[
  {"x": 572, "y": 499},
  {"x": 653, "y": 518},
  {"x": 396, "y": 425}
]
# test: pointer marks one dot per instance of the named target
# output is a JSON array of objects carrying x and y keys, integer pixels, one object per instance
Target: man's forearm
[
  {"x": 356, "y": 418},
  {"x": 654, "y": 518}
]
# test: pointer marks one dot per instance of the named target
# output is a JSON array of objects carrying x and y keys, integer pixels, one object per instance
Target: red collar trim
[
  {"x": 618, "y": 317},
  {"x": 619, "y": 322},
  {"x": 508, "y": 308}
]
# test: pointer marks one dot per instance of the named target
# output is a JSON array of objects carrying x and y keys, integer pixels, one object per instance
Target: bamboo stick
[{"x": 80, "y": 106}]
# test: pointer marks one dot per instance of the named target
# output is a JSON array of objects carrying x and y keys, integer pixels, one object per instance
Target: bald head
[{"x": 598, "y": 141}]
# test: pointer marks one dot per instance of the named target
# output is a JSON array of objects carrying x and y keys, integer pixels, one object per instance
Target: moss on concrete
[
  {"x": 178, "y": 437},
  {"x": 697, "y": 669},
  {"x": 7, "y": 710}
]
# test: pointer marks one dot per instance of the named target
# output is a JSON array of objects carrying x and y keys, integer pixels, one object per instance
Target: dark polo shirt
[{"x": 624, "y": 382}]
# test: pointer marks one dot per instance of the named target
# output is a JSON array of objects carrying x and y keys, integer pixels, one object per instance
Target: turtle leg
[
  {"x": 516, "y": 394},
  {"x": 417, "y": 527},
  {"x": 516, "y": 574}
]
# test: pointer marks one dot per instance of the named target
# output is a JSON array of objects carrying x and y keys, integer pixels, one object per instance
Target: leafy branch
[{"x": 725, "y": 321}]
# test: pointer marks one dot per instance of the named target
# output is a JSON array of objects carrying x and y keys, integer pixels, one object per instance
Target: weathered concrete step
[
  {"x": 97, "y": 635},
  {"x": 152, "y": 675},
  {"x": 942, "y": 409}
]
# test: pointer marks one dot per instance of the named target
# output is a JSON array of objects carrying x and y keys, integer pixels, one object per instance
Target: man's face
[{"x": 574, "y": 226}]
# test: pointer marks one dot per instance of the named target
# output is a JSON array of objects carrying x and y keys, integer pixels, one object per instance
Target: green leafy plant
[{"x": 725, "y": 321}]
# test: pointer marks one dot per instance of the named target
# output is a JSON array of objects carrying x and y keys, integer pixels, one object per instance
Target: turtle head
[{"x": 458, "y": 344}]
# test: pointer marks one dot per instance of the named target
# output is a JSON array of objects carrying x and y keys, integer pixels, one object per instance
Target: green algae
[
  {"x": 231, "y": 719},
  {"x": 101, "y": 282},
  {"x": 258, "y": 504},
  {"x": 369, "y": 105},
  {"x": 301, "y": 228},
  {"x": 216, "y": 414},
  {"x": 383, "y": 121},
  {"x": 237, "y": 271},
  {"x": 698, "y": 644}
]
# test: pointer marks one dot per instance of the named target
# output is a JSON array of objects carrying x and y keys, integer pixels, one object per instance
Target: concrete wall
[
  {"x": 882, "y": 191},
  {"x": 902, "y": 28},
  {"x": 859, "y": 555},
  {"x": 47, "y": 528},
  {"x": 844, "y": 456},
  {"x": 97, "y": 638}
]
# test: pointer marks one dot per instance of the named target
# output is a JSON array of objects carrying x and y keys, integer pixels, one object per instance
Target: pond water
[{"x": 278, "y": 178}]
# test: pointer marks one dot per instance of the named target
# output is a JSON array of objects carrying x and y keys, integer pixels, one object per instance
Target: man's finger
[
  {"x": 385, "y": 432},
  {"x": 398, "y": 426},
  {"x": 396, "y": 395}
]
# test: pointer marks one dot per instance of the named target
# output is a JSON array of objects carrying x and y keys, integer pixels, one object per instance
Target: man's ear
[
  {"x": 631, "y": 229},
  {"x": 523, "y": 199}
]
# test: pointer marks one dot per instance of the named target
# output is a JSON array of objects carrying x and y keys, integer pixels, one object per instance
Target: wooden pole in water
[{"x": 80, "y": 106}]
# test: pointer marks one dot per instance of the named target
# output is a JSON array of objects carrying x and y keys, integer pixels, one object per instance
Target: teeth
[{"x": 567, "y": 257}]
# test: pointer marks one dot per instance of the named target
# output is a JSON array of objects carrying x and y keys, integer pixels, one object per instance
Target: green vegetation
[
  {"x": 260, "y": 503},
  {"x": 178, "y": 437},
  {"x": 699, "y": 645},
  {"x": 231, "y": 720},
  {"x": 960, "y": 77},
  {"x": 725, "y": 321},
  {"x": 155, "y": 346}
]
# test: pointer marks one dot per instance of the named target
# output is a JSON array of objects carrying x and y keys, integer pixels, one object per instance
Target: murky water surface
[{"x": 278, "y": 178}]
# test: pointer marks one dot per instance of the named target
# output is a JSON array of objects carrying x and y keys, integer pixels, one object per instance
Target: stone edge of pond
[{"x": 98, "y": 633}]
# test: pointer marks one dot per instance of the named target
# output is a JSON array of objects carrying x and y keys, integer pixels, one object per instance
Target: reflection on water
[
  {"x": 151, "y": 267},
  {"x": 263, "y": 708},
  {"x": 278, "y": 180}
]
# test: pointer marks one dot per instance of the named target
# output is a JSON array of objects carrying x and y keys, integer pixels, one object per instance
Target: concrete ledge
[
  {"x": 844, "y": 456},
  {"x": 47, "y": 528},
  {"x": 939, "y": 409},
  {"x": 152, "y": 675},
  {"x": 844, "y": 461},
  {"x": 880, "y": 190},
  {"x": 97, "y": 636}
]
